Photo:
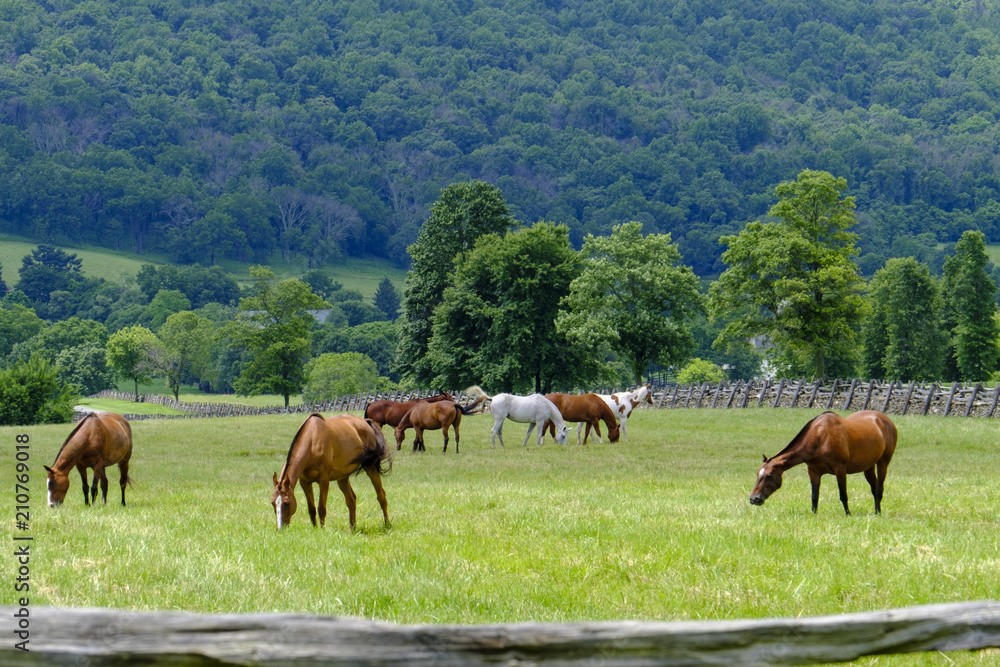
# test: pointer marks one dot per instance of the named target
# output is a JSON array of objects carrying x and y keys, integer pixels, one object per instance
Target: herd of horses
[{"x": 332, "y": 449}]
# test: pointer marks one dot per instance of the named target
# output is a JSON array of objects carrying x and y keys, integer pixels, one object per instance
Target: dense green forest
[{"x": 249, "y": 128}]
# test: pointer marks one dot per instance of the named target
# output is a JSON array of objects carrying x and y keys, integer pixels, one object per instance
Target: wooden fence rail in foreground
[{"x": 110, "y": 637}]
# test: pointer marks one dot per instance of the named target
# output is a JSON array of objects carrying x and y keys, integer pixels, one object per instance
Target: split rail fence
[
  {"x": 94, "y": 637},
  {"x": 900, "y": 398}
]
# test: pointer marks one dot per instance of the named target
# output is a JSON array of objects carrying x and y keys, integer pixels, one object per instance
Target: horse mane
[
  {"x": 72, "y": 433},
  {"x": 295, "y": 439},
  {"x": 795, "y": 441}
]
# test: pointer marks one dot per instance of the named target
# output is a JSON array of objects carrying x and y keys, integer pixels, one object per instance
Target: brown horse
[
  {"x": 390, "y": 412},
  {"x": 325, "y": 450},
  {"x": 833, "y": 445},
  {"x": 431, "y": 417},
  {"x": 585, "y": 408},
  {"x": 100, "y": 440}
]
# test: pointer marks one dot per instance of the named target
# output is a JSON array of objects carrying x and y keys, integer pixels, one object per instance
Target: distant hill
[{"x": 233, "y": 131}]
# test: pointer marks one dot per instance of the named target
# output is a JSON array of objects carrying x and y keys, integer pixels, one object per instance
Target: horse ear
[
  {"x": 765, "y": 457},
  {"x": 48, "y": 469},
  {"x": 275, "y": 478}
]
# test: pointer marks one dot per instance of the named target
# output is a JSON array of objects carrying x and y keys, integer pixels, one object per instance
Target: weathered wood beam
[{"x": 97, "y": 637}]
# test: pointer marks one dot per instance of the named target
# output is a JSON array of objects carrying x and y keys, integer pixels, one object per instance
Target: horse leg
[
  {"x": 814, "y": 478},
  {"x": 456, "y": 438},
  {"x": 623, "y": 427},
  {"x": 497, "y": 432},
  {"x": 104, "y": 486},
  {"x": 324, "y": 488},
  {"x": 376, "y": 478},
  {"x": 349, "y": 498},
  {"x": 842, "y": 484},
  {"x": 124, "y": 480},
  {"x": 94, "y": 483},
  {"x": 527, "y": 435},
  {"x": 579, "y": 426},
  {"x": 597, "y": 430},
  {"x": 307, "y": 489},
  {"x": 86, "y": 487},
  {"x": 882, "y": 469},
  {"x": 873, "y": 483}
]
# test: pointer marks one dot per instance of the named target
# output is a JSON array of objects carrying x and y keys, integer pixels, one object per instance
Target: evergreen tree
[
  {"x": 971, "y": 310},
  {"x": 386, "y": 299}
]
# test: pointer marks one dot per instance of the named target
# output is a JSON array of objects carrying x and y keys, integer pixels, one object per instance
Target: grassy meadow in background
[
  {"x": 658, "y": 528},
  {"x": 362, "y": 275}
]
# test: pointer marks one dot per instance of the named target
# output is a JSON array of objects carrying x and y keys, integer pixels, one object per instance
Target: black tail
[
  {"x": 366, "y": 410},
  {"x": 376, "y": 456}
]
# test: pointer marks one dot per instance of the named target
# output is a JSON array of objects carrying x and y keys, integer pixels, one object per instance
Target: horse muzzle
[{"x": 756, "y": 500}]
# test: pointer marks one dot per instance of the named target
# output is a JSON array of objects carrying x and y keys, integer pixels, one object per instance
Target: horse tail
[
  {"x": 475, "y": 390},
  {"x": 378, "y": 455},
  {"x": 473, "y": 407},
  {"x": 365, "y": 413}
]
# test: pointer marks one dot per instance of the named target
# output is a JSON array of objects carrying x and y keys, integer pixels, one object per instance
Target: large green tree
[
  {"x": 902, "y": 336},
  {"x": 184, "y": 355},
  {"x": 31, "y": 393},
  {"x": 273, "y": 324},
  {"x": 633, "y": 295},
  {"x": 463, "y": 213},
  {"x": 971, "y": 309},
  {"x": 496, "y": 325},
  {"x": 129, "y": 352},
  {"x": 331, "y": 375},
  {"x": 793, "y": 281}
]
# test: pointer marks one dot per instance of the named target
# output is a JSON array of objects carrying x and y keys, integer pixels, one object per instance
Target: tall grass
[{"x": 656, "y": 528}]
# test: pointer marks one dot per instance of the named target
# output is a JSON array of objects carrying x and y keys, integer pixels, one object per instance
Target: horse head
[
  {"x": 57, "y": 484},
  {"x": 614, "y": 432},
  {"x": 283, "y": 501},
  {"x": 561, "y": 434},
  {"x": 768, "y": 481}
]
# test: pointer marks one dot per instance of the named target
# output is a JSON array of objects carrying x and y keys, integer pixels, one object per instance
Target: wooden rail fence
[
  {"x": 957, "y": 399},
  {"x": 94, "y": 637}
]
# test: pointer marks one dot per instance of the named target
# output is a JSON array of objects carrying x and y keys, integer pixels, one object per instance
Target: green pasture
[
  {"x": 362, "y": 275},
  {"x": 658, "y": 528},
  {"x": 95, "y": 262}
]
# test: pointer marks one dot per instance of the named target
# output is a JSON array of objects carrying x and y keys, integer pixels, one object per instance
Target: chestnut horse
[
  {"x": 585, "y": 408},
  {"x": 325, "y": 450},
  {"x": 100, "y": 440},
  {"x": 431, "y": 417},
  {"x": 833, "y": 445},
  {"x": 390, "y": 412}
]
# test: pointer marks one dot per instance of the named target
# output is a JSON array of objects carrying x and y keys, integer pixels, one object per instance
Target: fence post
[
  {"x": 833, "y": 394},
  {"x": 777, "y": 396},
  {"x": 732, "y": 394},
  {"x": 798, "y": 389},
  {"x": 812, "y": 398},
  {"x": 930, "y": 397},
  {"x": 763, "y": 390},
  {"x": 868, "y": 396},
  {"x": 972, "y": 399},
  {"x": 951, "y": 395}
]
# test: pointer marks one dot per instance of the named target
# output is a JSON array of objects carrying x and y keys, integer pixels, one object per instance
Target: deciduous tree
[
  {"x": 273, "y": 324},
  {"x": 634, "y": 296},
  {"x": 129, "y": 350},
  {"x": 971, "y": 311},
  {"x": 793, "y": 281},
  {"x": 463, "y": 213}
]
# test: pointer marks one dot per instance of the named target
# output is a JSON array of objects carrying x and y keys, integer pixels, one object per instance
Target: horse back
[
  {"x": 111, "y": 438},
  {"x": 871, "y": 438}
]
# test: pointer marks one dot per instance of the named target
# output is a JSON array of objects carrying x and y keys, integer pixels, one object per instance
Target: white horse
[
  {"x": 623, "y": 402},
  {"x": 533, "y": 410}
]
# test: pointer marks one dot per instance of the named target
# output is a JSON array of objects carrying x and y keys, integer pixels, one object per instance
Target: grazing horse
[
  {"x": 325, "y": 450},
  {"x": 833, "y": 445},
  {"x": 623, "y": 402},
  {"x": 431, "y": 417},
  {"x": 533, "y": 410},
  {"x": 100, "y": 440},
  {"x": 585, "y": 408},
  {"x": 390, "y": 412}
]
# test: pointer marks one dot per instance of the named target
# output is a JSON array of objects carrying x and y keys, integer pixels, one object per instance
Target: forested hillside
[{"x": 246, "y": 128}]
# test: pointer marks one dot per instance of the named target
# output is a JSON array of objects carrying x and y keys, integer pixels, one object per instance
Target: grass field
[
  {"x": 363, "y": 275},
  {"x": 658, "y": 528}
]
